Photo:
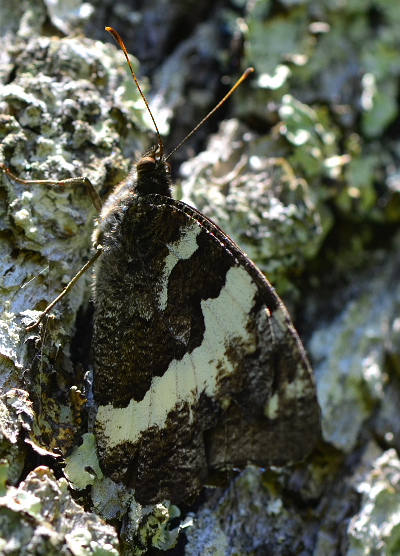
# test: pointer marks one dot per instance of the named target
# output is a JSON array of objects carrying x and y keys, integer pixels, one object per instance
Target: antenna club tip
[
  {"x": 249, "y": 70},
  {"x": 113, "y": 32}
]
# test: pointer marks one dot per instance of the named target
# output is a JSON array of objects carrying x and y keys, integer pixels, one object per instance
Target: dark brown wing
[{"x": 197, "y": 364}]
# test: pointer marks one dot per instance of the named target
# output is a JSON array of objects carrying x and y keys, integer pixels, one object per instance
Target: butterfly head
[{"x": 153, "y": 174}]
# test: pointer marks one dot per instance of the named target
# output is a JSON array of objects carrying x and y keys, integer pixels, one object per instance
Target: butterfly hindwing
[{"x": 197, "y": 366}]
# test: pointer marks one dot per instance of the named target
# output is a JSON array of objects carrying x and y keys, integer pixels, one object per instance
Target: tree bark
[{"x": 303, "y": 174}]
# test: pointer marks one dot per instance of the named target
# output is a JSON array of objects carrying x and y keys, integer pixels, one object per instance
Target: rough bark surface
[{"x": 303, "y": 174}]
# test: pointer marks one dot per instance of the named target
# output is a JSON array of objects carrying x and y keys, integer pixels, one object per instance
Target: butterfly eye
[{"x": 146, "y": 164}]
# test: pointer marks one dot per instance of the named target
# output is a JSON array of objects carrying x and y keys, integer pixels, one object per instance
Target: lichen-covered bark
[{"x": 307, "y": 183}]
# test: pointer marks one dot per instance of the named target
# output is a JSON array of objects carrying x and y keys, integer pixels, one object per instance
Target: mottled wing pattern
[{"x": 198, "y": 367}]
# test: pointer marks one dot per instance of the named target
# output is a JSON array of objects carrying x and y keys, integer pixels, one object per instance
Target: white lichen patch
[
  {"x": 9, "y": 346},
  {"x": 24, "y": 220}
]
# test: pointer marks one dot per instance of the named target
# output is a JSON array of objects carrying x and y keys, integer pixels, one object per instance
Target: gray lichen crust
[
  {"x": 26, "y": 526},
  {"x": 243, "y": 183}
]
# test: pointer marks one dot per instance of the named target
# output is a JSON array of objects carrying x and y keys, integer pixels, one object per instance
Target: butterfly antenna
[
  {"x": 221, "y": 102},
  {"x": 121, "y": 44}
]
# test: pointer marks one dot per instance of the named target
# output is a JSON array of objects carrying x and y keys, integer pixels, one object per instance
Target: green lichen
[
  {"x": 82, "y": 466},
  {"x": 375, "y": 530}
]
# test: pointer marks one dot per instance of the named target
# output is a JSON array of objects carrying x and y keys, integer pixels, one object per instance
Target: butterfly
[
  {"x": 198, "y": 368},
  {"x": 197, "y": 365}
]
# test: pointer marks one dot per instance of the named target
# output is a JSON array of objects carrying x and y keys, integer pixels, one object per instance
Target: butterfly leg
[
  {"x": 96, "y": 201},
  {"x": 94, "y": 196},
  {"x": 67, "y": 288}
]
